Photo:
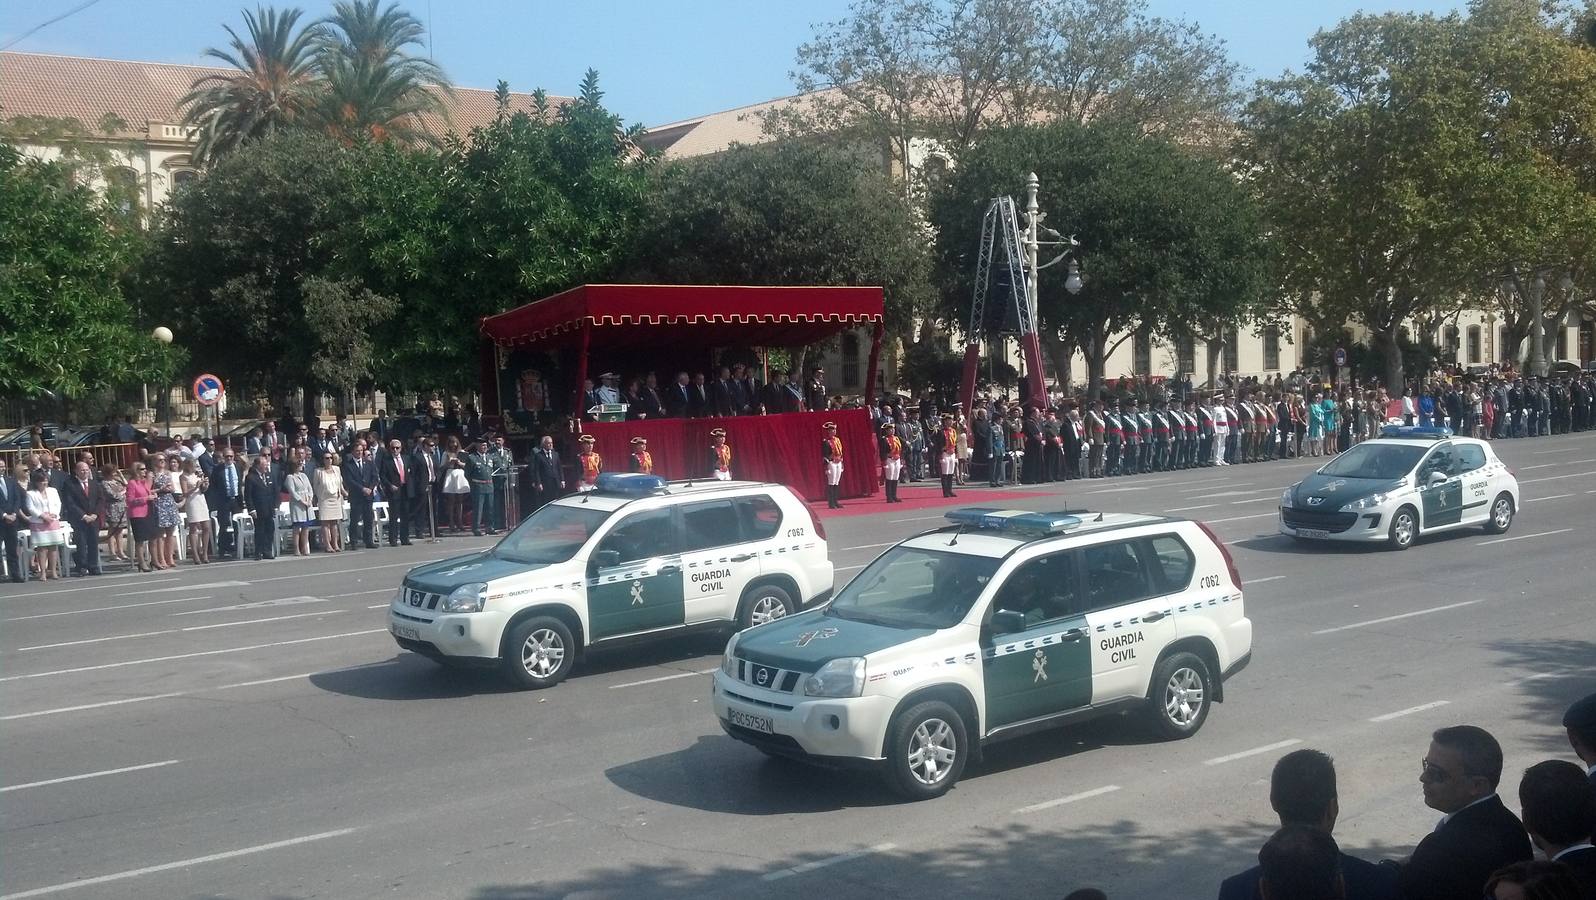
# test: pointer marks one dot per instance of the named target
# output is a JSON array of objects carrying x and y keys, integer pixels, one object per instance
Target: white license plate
[
  {"x": 761, "y": 724},
  {"x": 404, "y": 632},
  {"x": 1312, "y": 533}
]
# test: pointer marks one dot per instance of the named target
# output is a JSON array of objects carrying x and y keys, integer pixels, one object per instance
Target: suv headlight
[
  {"x": 728, "y": 660},
  {"x": 1369, "y": 502},
  {"x": 467, "y": 598},
  {"x": 1286, "y": 498},
  {"x": 839, "y": 678}
]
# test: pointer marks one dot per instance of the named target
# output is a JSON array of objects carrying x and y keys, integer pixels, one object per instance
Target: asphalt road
[{"x": 249, "y": 730}]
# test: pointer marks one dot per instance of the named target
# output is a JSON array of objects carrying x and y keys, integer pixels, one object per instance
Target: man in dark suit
[
  {"x": 82, "y": 499},
  {"x": 748, "y": 390},
  {"x": 546, "y": 478},
  {"x": 1559, "y": 804},
  {"x": 1300, "y": 862},
  {"x": 12, "y": 519},
  {"x": 723, "y": 394},
  {"x": 649, "y": 403},
  {"x": 393, "y": 473},
  {"x": 1302, "y": 790},
  {"x": 426, "y": 475},
  {"x": 1580, "y": 720},
  {"x": 225, "y": 497},
  {"x": 261, "y": 489},
  {"x": 698, "y": 399},
  {"x": 677, "y": 397},
  {"x": 815, "y": 397},
  {"x": 360, "y": 480},
  {"x": 1477, "y": 834}
]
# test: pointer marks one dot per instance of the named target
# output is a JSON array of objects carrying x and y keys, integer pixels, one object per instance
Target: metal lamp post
[{"x": 163, "y": 335}]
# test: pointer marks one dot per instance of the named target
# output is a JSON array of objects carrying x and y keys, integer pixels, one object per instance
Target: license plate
[
  {"x": 407, "y": 633},
  {"x": 1312, "y": 533},
  {"x": 761, "y": 724}
]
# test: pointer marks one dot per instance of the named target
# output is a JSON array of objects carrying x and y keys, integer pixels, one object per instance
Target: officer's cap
[
  {"x": 717, "y": 432},
  {"x": 639, "y": 440},
  {"x": 830, "y": 426},
  {"x": 886, "y": 426},
  {"x": 586, "y": 439},
  {"x": 1581, "y": 718}
]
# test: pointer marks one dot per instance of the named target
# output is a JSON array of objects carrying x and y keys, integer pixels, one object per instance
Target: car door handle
[
  {"x": 671, "y": 569},
  {"x": 1074, "y": 634},
  {"x": 1155, "y": 616},
  {"x": 742, "y": 557}
]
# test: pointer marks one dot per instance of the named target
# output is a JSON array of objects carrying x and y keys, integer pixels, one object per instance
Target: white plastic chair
[
  {"x": 243, "y": 535},
  {"x": 180, "y": 534},
  {"x": 379, "y": 520}
]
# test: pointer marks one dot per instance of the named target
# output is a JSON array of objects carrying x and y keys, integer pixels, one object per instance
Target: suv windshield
[
  {"x": 552, "y": 534},
  {"x": 908, "y": 587},
  {"x": 1373, "y": 460}
]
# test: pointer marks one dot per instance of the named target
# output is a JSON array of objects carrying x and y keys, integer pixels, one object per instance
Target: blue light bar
[
  {"x": 1415, "y": 431},
  {"x": 636, "y": 484},
  {"x": 1013, "y": 520}
]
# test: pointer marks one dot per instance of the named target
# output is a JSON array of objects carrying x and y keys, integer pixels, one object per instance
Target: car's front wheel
[
  {"x": 926, "y": 750},
  {"x": 1404, "y": 528},
  {"x": 1501, "y": 517},
  {"x": 538, "y": 653}
]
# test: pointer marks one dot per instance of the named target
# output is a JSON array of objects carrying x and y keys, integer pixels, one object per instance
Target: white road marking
[
  {"x": 848, "y": 568},
  {"x": 34, "y": 784},
  {"x": 1222, "y": 494},
  {"x": 1083, "y": 795},
  {"x": 386, "y": 590},
  {"x": 404, "y": 565},
  {"x": 258, "y": 604},
  {"x": 811, "y": 866},
  {"x": 379, "y": 606},
  {"x": 1253, "y": 500},
  {"x": 80, "y": 589},
  {"x": 1552, "y": 497},
  {"x": 664, "y": 678},
  {"x": 1118, "y": 490},
  {"x": 1200, "y": 490},
  {"x": 1567, "y": 673},
  {"x": 147, "y": 697},
  {"x": 1409, "y": 711},
  {"x": 1540, "y": 466},
  {"x": 1247, "y": 581},
  {"x": 1406, "y": 615},
  {"x": 120, "y": 637},
  {"x": 915, "y": 519},
  {"x": 1241, "y": 518},
  {"x": 1523, "y": 537},
  {"x": 1558, "y": 450},
  {"x": 190, "y": 587},
  {"x": 319, "y": 612},
  {"x": 98, "y": 640},
  {"x": 1190, "y": 508},
  {"x": 178, "y": 864},
  {"x": 867, "y": 546},
  {"x": 1220, "y": 760},
  {"x": 155, "y": 659},
  {"x": 1555, "y": 477},
  {"x": 79, "y": 612}
]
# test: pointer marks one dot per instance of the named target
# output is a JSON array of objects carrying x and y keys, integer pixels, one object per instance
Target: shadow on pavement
[
  {"x": 1026, "y": 860},
  {"x": 1554, "y": 672},
  {"x": 409, "y": 677}
]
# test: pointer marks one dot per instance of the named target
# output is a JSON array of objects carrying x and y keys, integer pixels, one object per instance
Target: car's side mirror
[
  {"x": 1436, "y": 478},
  {"x": 1007, "y": 621},
  {"x": 606, "y": 559}
]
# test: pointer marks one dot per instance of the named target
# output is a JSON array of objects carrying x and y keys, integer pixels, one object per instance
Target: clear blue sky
[{"x": 659, "y": 60}]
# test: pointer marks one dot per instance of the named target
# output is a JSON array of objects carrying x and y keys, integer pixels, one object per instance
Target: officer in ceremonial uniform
[
  {"x": 1244, "y": 433},
  {"x": 1096, "y": 435},
  {"x": 640, "y": 460},
  {"x": 1052, "y": 458},
  {"x": 1206, "y": 431},
  {"x": 831, "y": 456},
  {"x": 720, "y": 455},
  {"x": 1115, "y": 446},
  {"x": 1130, "y": 454},
  {"x": 1161, "y": 435},
  {"x": 890, "y": 448},
  {"x": 1189, "y": 458},
  {"x": 608, "y": 392},
  {"x": 589, "y": 464},
  {"x": 947, "y": 453}
]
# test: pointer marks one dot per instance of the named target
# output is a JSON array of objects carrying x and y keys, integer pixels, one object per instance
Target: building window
[
  {"x": 1503, "y": 351},
  {"x": 1271, "y": 348},
  {"x": 935, "y": 168},
  {"x": 122, "y": 189},
  {"x": 1474, "y": 344},
  {"x": 1404, "y": 335},
  {"x": 1142, "y": 354},
  {"x": 850, "y": 361},
  {"x": 1186, "y": 357},
  {"x": 181, "y": 179},
  {"x": 1451, "y": 341},
  {"x": 1562, "y": 342},
  {"x": 1232, "y": 351}
]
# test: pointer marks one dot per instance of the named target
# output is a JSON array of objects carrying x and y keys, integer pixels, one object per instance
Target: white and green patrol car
[
  {"x": 1409, "y": 481},
  {"x": 637, "y": 558},
  {"x": 1000, "y": 624}
]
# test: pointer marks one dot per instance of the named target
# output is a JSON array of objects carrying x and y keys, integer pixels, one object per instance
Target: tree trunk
[
  {"x": 1096, "y": 351},
  {"x": 1215, "y": 351},
  {"x": 1061, "y": 355},
  {"x": 1384, "y": 341}
]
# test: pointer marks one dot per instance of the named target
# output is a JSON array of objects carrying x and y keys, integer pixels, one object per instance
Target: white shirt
[
  {"x": 1586, "y": 845},
  {"x": 1449, "y": 816}
]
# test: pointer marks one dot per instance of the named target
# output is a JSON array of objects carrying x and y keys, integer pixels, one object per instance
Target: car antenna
[
  {"x": 1099, "y": 516},
  {"x": 955, "y": 540}
]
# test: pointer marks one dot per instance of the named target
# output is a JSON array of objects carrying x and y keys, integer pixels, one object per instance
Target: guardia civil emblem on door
[
  {"x": 1039, "y": 666},
  {"x": 637, "y": 593}
]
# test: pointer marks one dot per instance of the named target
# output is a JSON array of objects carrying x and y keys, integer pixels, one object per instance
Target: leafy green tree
[
  {"x": 65, "y": 325},
  {"x": 276, "y": 86},
  {"x": 376, "y": 90},
  {"x": 792, "y": 212},
  {"x": 1170, "y": 242}
]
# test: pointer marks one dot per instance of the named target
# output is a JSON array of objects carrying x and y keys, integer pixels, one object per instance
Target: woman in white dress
[
  {"x": 329, "y": 486},
  {"x": 301, "y": 497},
  {"x": 192, "y": 484},
  {"x": 43, "y": 508}
]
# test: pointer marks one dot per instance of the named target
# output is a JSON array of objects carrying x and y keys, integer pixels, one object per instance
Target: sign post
[{"x": 208, "y": 391}]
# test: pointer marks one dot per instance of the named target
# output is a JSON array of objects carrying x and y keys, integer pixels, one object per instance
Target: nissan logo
[{"x": 762, "y": 675}]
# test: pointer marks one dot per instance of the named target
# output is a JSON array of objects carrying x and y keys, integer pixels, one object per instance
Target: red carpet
[{"x": 922, "y": 496}]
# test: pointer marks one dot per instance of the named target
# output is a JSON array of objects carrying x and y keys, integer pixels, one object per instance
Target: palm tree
[
  {"x": 376, "y": 90},
  {"x": 277, "y": 84}
]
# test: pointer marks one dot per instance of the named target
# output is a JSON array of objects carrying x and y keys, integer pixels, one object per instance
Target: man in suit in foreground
[
  {"x": 393, "y": 472},
  {"x": 1559, "y": 805},
  {"x": 12, "y": 520},
  {"x": 1302, "y": 791},
  {"x": 1580, "y": 720},
  {"x": 82, "y": 498},
  {"x": 1477, "y": 835},
  {"x": 260, "y": 497},
  {"x": 225, "y": 497},
  {"x": 1301, "y": 862},
  {"x": 546, "y": 479},
  {"x": 360, "y": 480}
]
